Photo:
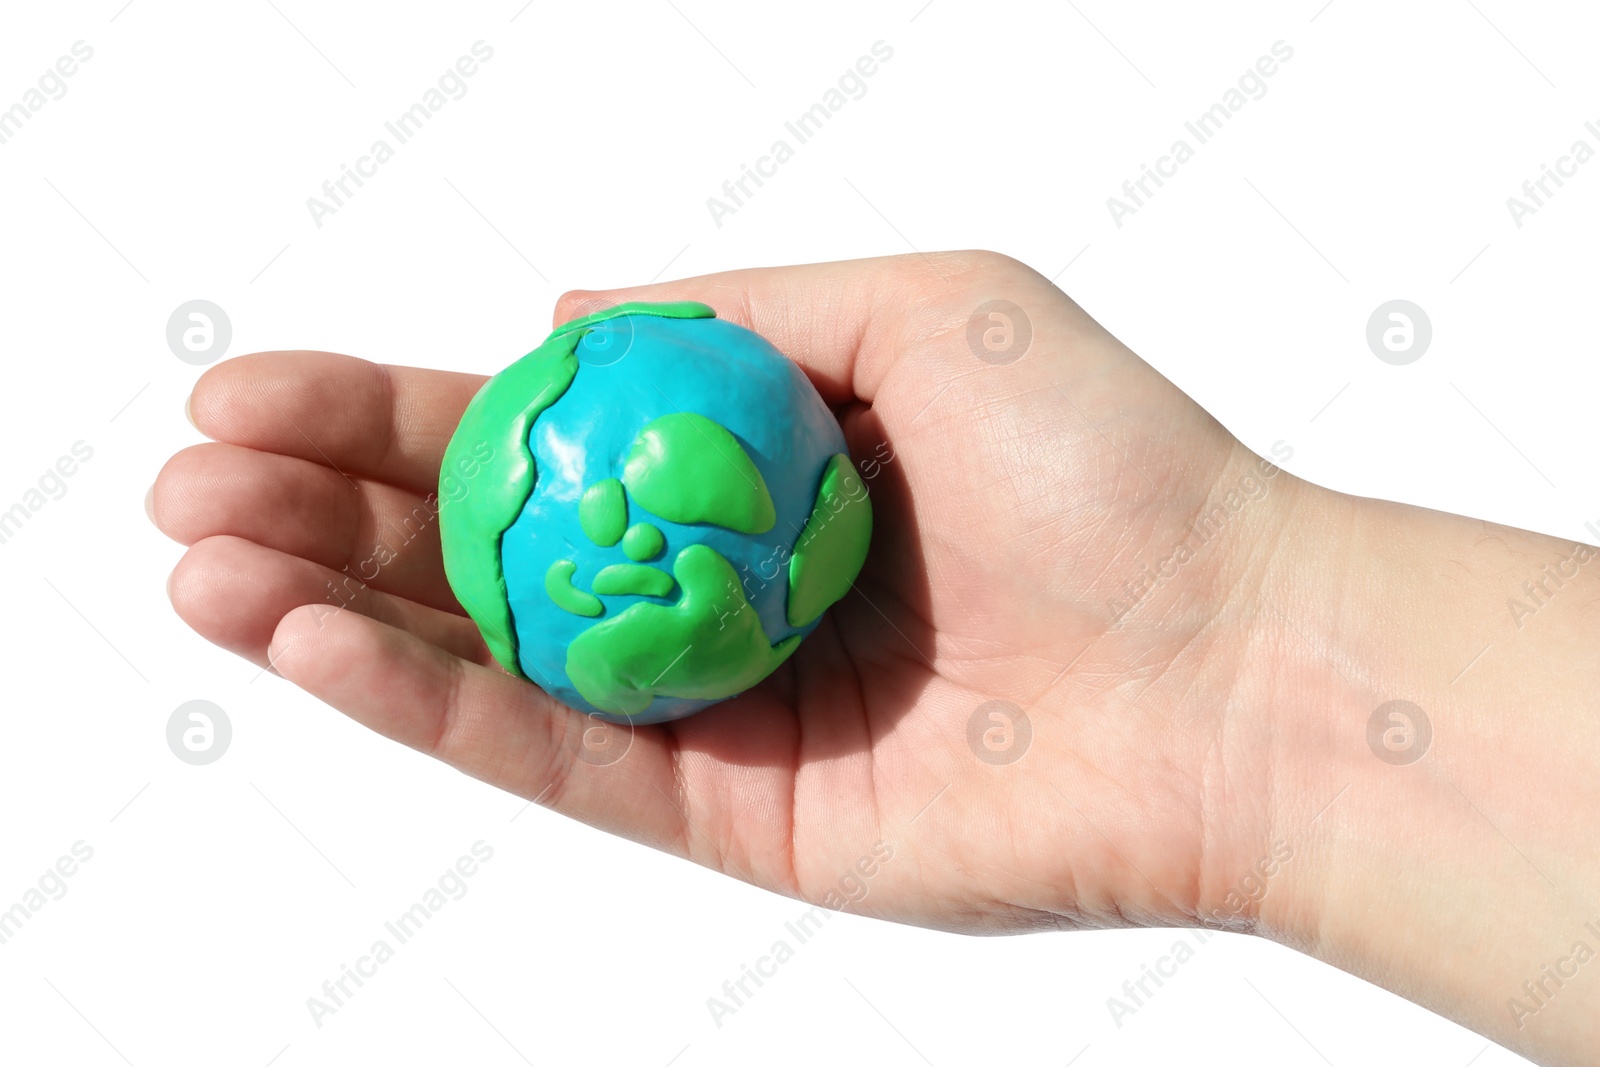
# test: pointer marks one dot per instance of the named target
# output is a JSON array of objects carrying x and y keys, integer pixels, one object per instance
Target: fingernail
[
  {"x": 150, "y": 503},
  {"x": 188, "y": 410}
]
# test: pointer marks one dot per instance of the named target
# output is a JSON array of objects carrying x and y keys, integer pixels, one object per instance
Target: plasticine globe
[{"x": 647, "y": 513}]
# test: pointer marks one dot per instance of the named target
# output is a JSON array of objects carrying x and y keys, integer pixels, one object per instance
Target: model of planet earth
[{"x": 647, "y": 513}]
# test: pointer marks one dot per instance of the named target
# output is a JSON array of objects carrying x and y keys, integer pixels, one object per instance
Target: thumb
[{"x": 846, "y": 324}]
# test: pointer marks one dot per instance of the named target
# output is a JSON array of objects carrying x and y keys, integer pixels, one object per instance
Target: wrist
[{"x": 1440, "y": 845}]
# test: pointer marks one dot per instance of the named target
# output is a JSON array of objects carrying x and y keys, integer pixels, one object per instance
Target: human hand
[
  {"x": 1187, "y": 644},
  {"x": 1005, "y": 495}
]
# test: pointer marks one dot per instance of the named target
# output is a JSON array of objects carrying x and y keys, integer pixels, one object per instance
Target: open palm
[{"x": 1019, "y": 715}]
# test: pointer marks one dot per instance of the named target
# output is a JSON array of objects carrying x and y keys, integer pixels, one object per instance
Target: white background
[{"x": 177, "y": 166}]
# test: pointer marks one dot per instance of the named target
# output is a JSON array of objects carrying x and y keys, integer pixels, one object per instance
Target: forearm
[{"x": 1458, "y": 870}]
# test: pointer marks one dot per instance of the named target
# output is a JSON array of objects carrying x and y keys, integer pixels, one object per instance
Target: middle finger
[{"x": 374, "y": 533}]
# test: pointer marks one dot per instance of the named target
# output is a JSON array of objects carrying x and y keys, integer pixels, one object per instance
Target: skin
[{"x": 1176, "y": 747}]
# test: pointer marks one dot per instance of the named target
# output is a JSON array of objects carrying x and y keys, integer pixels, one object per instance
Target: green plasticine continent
[
  {"x": 643, "y": 541},
  {"x": 472, "y": 524},
  {"x": 498, "y": 421},
  {"x": 708, "y": 645},
  {"x": 632, "y": 579},
  {"x": 833, "y": 545},
  {"x": 603, "y": 512},
  {"x": 674, "y": 309},
  {"x": 688, "y": 469},
  {"x": 568, "y": 597}
]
